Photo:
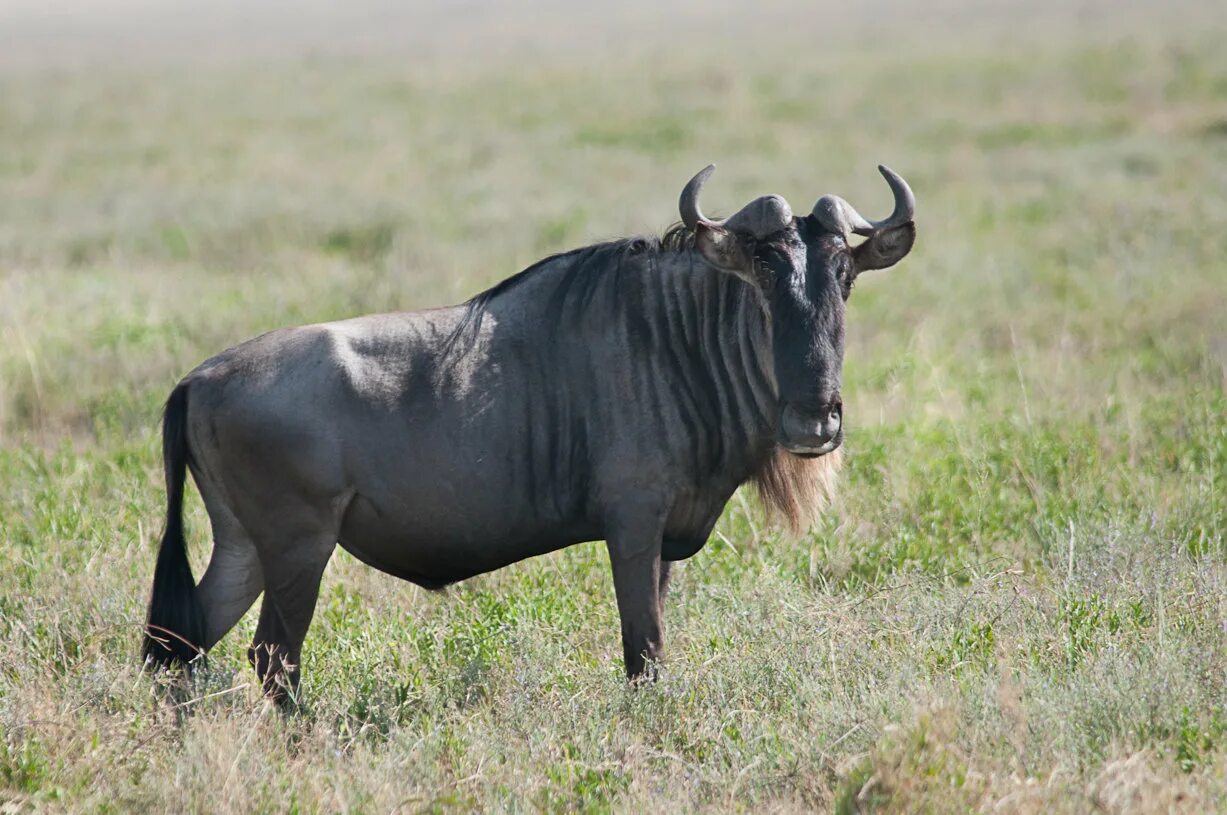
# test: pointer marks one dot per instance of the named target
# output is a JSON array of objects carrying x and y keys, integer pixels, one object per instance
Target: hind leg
[
  {"x": 233, "y": 580},
  {"x": 292, "y": 584}
]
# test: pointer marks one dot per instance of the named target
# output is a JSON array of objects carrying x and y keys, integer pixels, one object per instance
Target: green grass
[{"x": 1017, "y": 601}]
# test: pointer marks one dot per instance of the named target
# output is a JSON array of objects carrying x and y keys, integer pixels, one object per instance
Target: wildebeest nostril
[{"x": 832, "y": 418}]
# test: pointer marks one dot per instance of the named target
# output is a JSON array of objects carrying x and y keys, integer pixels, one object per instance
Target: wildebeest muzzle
[{"x": 812, "y": 433}]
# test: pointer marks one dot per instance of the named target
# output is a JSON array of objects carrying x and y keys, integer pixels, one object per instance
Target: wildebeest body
[
  {"x": 620, "y": 392},
  {"x": 455, "y": 441}
]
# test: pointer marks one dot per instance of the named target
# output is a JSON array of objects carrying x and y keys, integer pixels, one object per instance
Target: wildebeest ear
[
  {"x": 884, "y": 248},
  {"x": 725, "y": 249}
]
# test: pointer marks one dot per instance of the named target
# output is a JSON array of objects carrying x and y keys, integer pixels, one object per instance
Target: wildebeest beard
[{"x": 795, "y": 490}]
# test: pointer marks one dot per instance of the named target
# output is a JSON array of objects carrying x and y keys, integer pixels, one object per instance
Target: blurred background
[
  {"x": 1018, "y": 598},
  {"x": 370, "y": 156}
]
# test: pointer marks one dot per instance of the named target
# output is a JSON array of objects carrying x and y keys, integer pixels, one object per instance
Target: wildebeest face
[
  {"x": 805, "y": 268},
  {"x": 810, "y": 271},
  {"x": 807, "y": 277}
]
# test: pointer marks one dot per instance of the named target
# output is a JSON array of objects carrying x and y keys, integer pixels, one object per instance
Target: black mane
[
  {"x": 585, "y": 266},
  {"x": 675, "y": 240}
]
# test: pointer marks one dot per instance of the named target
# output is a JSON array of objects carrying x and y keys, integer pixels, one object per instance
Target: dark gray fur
[{"x": 620, "y": 392}]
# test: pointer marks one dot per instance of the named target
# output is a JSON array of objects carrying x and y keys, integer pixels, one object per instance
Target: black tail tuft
[{"x": 175, "y": 627}]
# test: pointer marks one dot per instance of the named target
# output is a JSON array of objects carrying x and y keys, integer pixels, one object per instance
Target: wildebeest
[{"x": 618, "y": 392}]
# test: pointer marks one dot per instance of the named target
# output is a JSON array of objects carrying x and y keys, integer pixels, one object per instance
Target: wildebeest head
[{"x": 805, "y": 268}]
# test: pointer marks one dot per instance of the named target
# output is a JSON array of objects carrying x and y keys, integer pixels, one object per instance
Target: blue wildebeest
[{"x": 619, "y": 392}]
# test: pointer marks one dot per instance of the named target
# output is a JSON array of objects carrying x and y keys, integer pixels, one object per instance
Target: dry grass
[{"x": 1016, "y": 602}]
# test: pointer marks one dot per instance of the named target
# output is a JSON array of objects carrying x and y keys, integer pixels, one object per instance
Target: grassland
[{"x": 1018, "y": 602}]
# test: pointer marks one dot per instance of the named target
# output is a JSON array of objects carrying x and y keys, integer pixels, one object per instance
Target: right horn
[
  {"x": 905, "y": 201},
  {"x": 836, "y": 213}
]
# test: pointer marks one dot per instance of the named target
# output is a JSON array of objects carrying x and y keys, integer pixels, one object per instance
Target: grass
[{"x": 1018, "y": 600}]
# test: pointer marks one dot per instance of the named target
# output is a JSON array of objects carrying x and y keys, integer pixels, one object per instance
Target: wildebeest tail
[{"x": 175, "y": 626}]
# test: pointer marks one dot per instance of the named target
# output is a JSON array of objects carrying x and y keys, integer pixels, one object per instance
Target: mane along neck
[{"x": 714, "y": 336}]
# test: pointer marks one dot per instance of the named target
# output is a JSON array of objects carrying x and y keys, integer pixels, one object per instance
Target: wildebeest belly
[{"x": 431, "y": 543}]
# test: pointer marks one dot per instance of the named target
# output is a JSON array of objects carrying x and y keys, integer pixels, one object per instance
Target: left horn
[
  {"x": 762, "y": 216},
  {"x": 688, "y": 203}
]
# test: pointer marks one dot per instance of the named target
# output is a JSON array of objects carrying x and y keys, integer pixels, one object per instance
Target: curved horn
[
  {"x": 762, "y": 216},
  {"x": 905, "y": 201},
  {"x": 837, "y": 214},
  {"x": 688, "y": 204}
]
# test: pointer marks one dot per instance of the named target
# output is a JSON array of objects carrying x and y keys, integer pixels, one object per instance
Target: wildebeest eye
[
  {"x": 846, "y": 277},
  {"x": 773, "y": 260},
  {"x": 769, "y": 254}
]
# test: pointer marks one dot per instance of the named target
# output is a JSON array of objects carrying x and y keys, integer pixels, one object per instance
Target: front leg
[{"x": 634, "y": 554}]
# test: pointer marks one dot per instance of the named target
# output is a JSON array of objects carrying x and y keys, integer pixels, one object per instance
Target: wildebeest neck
[{"x": 665, "y": 359}]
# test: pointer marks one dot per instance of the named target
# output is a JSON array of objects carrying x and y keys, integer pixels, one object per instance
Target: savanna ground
[{"x": 1018, "y": 600}]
